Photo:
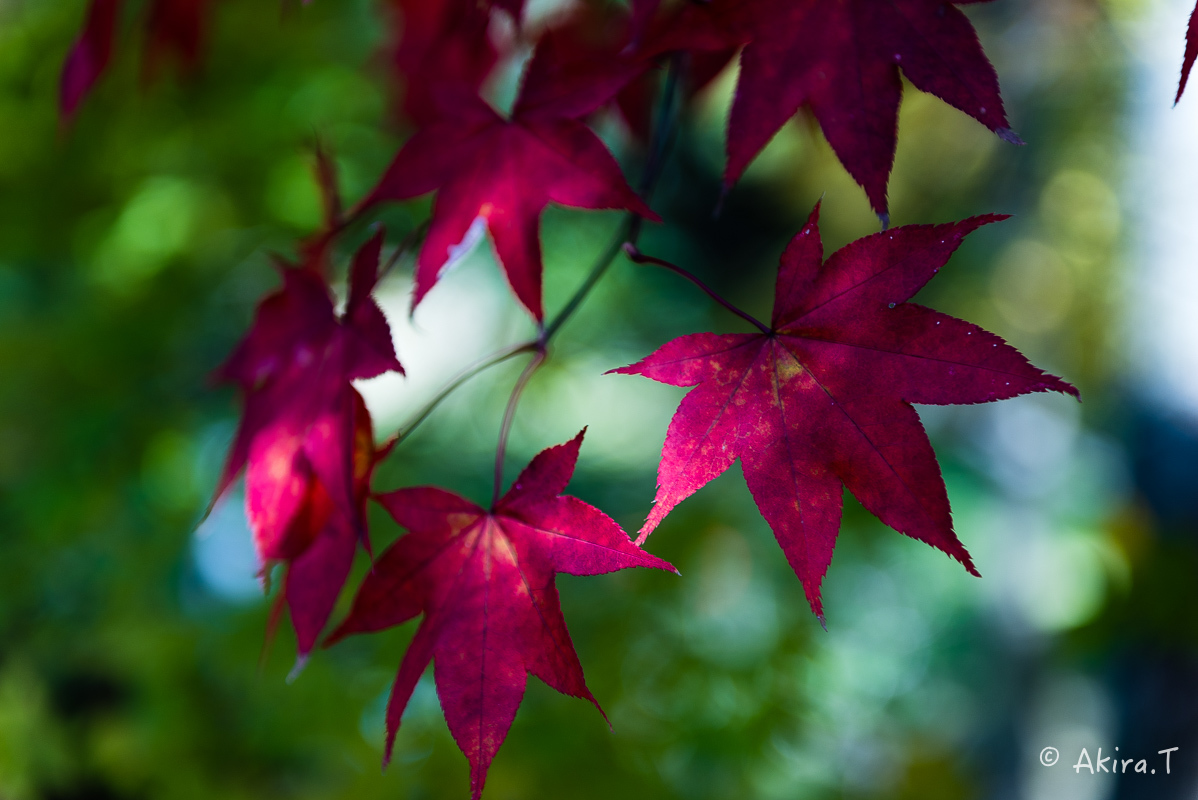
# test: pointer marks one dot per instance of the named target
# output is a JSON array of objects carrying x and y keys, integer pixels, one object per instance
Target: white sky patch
[
  {"x": 626, "y": 415},
  {"x": 468, "y": 315},
  {"x": 1162, "y": 196},
  {"x": 1068, "y": 711},
  {"x": 223, "y": 552}
]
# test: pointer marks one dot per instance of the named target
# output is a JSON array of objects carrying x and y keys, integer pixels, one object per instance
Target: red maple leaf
[
  {"x": 302, "y": 438},
  {"x": 823, "y": 396},
  {"x": 499, "y": 174},
  {"x": 1191, "y": 53},
  {"x": 842, "y": 60},
  {"x": 484, "y": 581}
]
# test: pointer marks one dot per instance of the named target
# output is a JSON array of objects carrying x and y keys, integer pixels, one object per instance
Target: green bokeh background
[{"x": 135, "y": 242}]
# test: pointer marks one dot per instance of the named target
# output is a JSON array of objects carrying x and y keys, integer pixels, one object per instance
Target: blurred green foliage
[{"x": 134, "y": 245}]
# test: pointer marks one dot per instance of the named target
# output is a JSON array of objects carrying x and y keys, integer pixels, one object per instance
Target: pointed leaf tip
[
  {"x": 1008, "y": 135},
  {"x": 301, "y": 662}
]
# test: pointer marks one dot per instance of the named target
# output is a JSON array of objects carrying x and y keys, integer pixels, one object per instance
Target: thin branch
[
  {"x": 601, "y": 265},
  {"x": 509, "y": 415},
  {"x": 640, "y": 258},
  {"x": 664, "y": 129},
  {"x": 626, "y": 235},
  {"x": 630, "y": 229},
  {"x": 469, "y": 372}
]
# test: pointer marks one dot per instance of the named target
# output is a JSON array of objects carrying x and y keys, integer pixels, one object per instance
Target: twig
[
  {"x": 509, "y": 415},
  {"x": 630, "y": 229},
  {"x": 640, "y": 258}
]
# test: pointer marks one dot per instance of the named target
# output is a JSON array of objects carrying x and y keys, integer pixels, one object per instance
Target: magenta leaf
[
  {"x": 305, "y": 439},
  {"x": 484, "y": 581},
  {"x": 824, "y": 399}
]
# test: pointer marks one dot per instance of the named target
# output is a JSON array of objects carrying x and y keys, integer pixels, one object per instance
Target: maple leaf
[
  {"x": 594, "y": 41},
  {"x": 484, "y": 581},
  {"x": 1191, "y": 53},
  {"x": 842, "y": 60},
  {"x": 823, "y": 396},
  {"x": 302, "y": 438},
  {"x": 499, "y": 174}
]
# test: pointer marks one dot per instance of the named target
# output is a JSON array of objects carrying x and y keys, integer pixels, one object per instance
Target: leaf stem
[
  {"x": 509, "y": 416},
  {"x": 640, "y": 258},
  {"x": 664, "y": 130},
  {"x": 600, "y": 267}
]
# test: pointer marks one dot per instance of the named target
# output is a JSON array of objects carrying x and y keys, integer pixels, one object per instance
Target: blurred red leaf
[
  {"x": 305, "y": 437},
  {"x": 824, "y": 398},
  {"x": 597, "y": 39},
  {"x": 319, "y": 543},
  {"x": 485, "y": 583},
  {"x": 642, "y": 15}
]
